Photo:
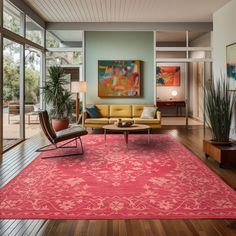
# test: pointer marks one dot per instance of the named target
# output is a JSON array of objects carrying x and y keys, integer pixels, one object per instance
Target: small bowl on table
[{"x": 124, "y": 124}]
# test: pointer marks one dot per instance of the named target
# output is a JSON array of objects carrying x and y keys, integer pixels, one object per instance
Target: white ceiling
[{"x": 126, "y": 10}]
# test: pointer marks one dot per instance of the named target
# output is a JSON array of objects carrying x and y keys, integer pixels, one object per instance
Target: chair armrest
[{"x": 158, "y": 115}]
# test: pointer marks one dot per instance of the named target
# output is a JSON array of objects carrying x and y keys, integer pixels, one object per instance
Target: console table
[{"x": 172, "y": 103}]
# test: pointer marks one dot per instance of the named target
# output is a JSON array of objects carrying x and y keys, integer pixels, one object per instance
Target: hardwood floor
[{"x": 19, "y": 157}]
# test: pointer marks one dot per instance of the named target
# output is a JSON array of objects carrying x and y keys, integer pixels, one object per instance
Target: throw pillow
[
  {"x": 93, "y": 112},
  {"x": 148, "y": 112}
]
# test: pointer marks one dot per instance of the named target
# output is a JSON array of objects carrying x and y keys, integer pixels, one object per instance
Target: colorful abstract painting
[
  {"x": 119, "y": 78},
  {"x": 168, "y": 75},
  {"x": 231, "y": 65}
]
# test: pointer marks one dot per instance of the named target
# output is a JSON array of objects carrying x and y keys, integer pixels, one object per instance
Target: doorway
[{"x": 200, "y": 74}]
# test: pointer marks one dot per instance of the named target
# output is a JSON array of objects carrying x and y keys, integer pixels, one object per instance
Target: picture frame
[
  {"x": 168, "y": 74},
  {"x": 119, "y": 78},
  {"x": 231, "y": 66}
]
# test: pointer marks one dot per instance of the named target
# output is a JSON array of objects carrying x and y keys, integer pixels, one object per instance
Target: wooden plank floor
[{"x": 16, "y": 159}]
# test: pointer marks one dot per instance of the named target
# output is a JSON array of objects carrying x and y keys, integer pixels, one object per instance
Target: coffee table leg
[
  {"x": 105, "y": 138},
  {"x": 126, "y": 133}
]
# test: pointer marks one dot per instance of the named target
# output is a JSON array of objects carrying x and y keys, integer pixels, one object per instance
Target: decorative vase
[
  {"x": 119, "y": 122},
  {"x": 60, "y": 124}
]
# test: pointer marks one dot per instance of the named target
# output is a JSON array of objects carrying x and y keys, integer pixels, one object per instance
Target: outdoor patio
[{"x": 11, "y": 131}]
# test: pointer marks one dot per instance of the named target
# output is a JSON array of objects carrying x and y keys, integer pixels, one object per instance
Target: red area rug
[{"x": 160, "y": 180}]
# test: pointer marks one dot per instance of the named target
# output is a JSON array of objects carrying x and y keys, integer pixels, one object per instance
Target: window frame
[{"x": 23, "y": 41}]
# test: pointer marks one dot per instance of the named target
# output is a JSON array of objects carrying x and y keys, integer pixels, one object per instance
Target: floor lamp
[{"x": 78, "y": 87}]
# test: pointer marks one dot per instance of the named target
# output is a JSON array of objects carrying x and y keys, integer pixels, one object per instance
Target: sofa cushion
[
  {"x": 148, "y": 113},
  {"x": 112, "y": 120},
  {"x": 146, "y": 121},
  {"x": 103, "y": 109},
  {"x": 119, "y": 111},
  {"x": 137, "y": 109},
  {"x": 96, "y": 121},
  {"x": 93, "y": 112}
]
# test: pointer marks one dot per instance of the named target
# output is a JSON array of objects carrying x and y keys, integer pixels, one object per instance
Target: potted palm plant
[
  {"x": 219, "y": 110},
  {"x": 58, "y": 98}
]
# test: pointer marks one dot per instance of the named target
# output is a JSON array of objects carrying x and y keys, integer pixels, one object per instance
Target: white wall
[{"x": 224, "y": 33}]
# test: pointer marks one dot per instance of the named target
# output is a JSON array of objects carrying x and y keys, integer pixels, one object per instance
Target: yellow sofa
[{"x": 110, "y": 114}]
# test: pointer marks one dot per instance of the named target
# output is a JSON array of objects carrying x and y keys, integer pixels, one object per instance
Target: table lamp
[
  {"x": 174, "y": 93},
  {"x": 78, "y": 87}
]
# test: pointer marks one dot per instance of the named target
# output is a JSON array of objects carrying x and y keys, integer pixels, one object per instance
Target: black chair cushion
[{"x": 72, "y": 132}]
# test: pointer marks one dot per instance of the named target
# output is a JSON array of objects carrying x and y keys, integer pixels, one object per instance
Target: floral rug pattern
[{"x": 159, "y": 180}]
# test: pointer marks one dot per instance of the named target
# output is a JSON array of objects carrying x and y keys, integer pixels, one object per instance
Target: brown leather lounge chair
[{"x": 70, "y": 134}]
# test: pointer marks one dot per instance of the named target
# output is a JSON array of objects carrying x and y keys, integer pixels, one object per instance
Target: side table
[{"x": 221, "y": 153}]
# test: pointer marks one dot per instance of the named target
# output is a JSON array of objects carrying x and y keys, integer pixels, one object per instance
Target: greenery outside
[
  {"x": 11, "y": 72},
  {"x": 11, "y": 62},
  {"x": 11, "y": 69}
]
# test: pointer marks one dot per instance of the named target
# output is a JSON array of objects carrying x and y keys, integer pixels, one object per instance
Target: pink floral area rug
[{"x": 159, "y": 180}]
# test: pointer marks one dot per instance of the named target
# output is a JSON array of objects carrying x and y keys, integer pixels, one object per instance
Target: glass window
[
  {"x": 11, "y": 93},
  {"x": 32, "y": 75},
  {"x": 64, "y": 39},
  {"x": 32, "y": 90},
  {"x": 33, "y": 31},
  {"x": 64, "y": 58},
  {"x": 12, "y": 18},
  {"x": 52, "y": 41}
]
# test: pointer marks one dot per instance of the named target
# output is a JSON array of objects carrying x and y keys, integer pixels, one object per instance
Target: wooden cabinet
[{"x": 221, "y": 153}]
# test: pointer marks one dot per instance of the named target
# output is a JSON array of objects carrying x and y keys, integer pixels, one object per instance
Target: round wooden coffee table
[{"x": 126, "y": 130}]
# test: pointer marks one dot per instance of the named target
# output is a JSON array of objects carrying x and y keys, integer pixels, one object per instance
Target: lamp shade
[
  {"x": 174, "y": 93},
  {"x": 78, "y": 86}
]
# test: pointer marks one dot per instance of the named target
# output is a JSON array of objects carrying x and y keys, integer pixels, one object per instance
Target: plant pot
[
  {"x": 58, "y": 124},
  {"x": 215, "y": 142},
  {"x": 221, "y": 153}
]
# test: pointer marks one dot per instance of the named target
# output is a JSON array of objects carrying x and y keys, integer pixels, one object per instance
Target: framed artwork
[
  {"x": 168, "y": 75},
  {"x": 119, "y": 78},
  {"x": 231, "y": 66}
]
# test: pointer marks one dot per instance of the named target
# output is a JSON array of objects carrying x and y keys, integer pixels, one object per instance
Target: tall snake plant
[{"x": 219, "y": 110}]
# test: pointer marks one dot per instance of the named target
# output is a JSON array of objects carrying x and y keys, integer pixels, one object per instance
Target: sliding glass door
[
  {"x": 22, "y": 70},
  {"x": 12, "y": 107},
  {"x": 33, "y": 72}
]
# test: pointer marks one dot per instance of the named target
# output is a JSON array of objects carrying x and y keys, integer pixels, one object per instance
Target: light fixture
[
  {"x": 78, "y": 87},
  {"x": 174, "y": 93}
]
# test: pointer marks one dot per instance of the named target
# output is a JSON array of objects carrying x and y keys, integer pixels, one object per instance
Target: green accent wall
[{"x": 102, "y": 45}]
